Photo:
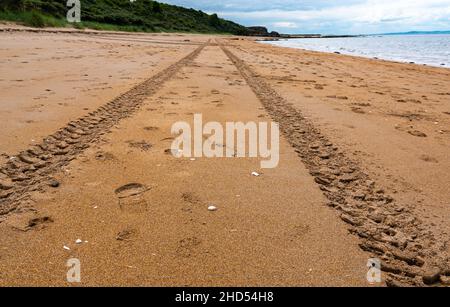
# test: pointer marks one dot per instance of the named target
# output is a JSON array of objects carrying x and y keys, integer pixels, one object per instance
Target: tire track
[
  {"x": 410, "y": 254},
  {"x": 29, "y": 170}
]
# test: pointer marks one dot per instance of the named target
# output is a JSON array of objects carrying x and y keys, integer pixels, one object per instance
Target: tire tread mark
[
  {"x": 28, "y": 170},
  {"x": 386, "y": 229}
]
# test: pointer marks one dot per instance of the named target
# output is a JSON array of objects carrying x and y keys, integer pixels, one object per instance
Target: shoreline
[{"x": 274, "y": 43}]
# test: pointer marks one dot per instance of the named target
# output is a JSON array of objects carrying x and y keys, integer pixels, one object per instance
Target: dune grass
[{"x": 32, "y": 19}]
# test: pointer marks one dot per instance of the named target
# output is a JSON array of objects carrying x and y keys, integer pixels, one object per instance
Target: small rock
[
  {"x": 212, "y": 208},
  {"x": 79, "y": 241},
  {"x": 431, "y": 277},
  {"x": 255, "y": 174},
  {"x": 53, "y": 183},
  {"x": 66, "y": 248}
]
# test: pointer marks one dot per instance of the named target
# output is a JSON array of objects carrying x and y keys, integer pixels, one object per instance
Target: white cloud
[
  {"x": 285, "y": 24},
  {"x": 364, "y": 16}
]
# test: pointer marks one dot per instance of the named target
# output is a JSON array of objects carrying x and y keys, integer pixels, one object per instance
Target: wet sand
[{"x": 363, "y": 164}]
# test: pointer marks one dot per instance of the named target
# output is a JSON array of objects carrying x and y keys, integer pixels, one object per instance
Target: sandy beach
[{"x": 86, "y": 170}]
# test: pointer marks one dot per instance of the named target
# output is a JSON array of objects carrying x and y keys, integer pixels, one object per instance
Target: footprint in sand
[
  {"x": 427, "y": 158},
  {"x": 298, "y": 232},
  {"x": 131, "y": 197},
  {"x": 104, "y": 156},
  {"x": 190, "y": 198},
  {"x": 186, "y": 247},
  {"x": 126, "y": 234}
]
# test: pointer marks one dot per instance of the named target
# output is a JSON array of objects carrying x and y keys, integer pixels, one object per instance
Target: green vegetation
[{"x": 140, "y": 15}]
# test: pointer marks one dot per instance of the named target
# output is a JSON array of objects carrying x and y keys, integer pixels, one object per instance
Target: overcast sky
[{"x": 331, "y": 17}]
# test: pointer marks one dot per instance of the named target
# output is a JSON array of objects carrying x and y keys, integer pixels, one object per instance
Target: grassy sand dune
[{"x": 123, "y": 15}]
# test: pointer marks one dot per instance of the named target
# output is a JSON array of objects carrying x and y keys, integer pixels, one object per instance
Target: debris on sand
[
  {"x": 212, "y": 208},
  {"x": 126, "y": 235},
  {"x": 53, "y": 183},
  {"x": 142, "y": 145},
  {"x": 255, "y": 174},
  {"x": 417, "y": 133}
]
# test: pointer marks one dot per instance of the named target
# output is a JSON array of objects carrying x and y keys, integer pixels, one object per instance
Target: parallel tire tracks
[
  {"x": 30, "y": 169},
  {"x": 409, "y": 254}
]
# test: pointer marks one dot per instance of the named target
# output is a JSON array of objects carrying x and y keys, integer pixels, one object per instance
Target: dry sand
[{"x": 364, "y": 165}]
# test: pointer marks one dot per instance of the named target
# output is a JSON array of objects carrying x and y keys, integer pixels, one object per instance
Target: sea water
[{"x": 432, "y": 49}]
